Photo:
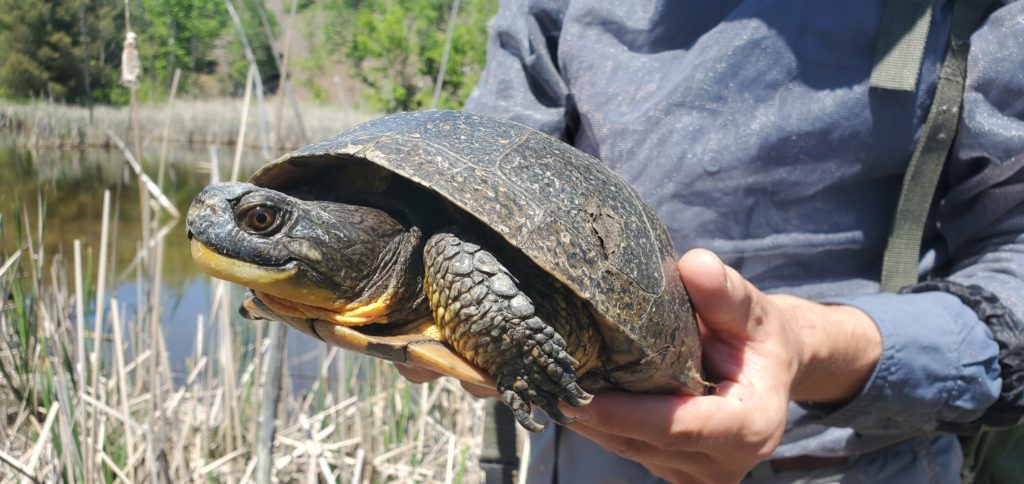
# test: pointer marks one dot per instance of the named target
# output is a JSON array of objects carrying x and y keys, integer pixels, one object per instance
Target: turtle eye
[{"x": 260, "y": 219}]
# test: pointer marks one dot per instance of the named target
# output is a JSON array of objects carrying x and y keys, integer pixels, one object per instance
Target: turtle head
[{"x": 309, "y": 255}]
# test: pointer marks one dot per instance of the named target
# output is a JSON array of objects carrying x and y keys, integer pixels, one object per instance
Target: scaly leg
[{"x": 487, "y": 318}]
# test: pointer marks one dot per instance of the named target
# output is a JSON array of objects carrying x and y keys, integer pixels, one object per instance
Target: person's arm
[
  {"x": 941, "y": 364},
  {"x": 936, "y": 361}
]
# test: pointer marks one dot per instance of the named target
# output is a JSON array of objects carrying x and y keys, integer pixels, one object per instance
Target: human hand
[{"x": 762, "y": 351}]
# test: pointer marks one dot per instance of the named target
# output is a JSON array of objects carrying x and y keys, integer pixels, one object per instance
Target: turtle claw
[
  {"x": 576, "y": 395},
  {"x": 521, "y": 392},
  {"x": 540, "y": 374},
  {"x": 521, "y": 410}
]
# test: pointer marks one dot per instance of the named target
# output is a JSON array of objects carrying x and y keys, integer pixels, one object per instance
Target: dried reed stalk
[
  {"x": 44, "y": 438},
  {"x": 144, "y": 180},
  {"x": 16, "y": 464},
  {"x": 168, "y": 111},
  {"x": 247, "y": 50},
  {"x": 10, "y": 261},
  {"x": 97, "y": 344},
  {"x": 240, "y": 143},
  {"x": 80, "y": 324},
  {"x": 282, "y": 87},
  {"x": 296, "y": 112},
  {"x": 121, "y": 378},
  {"x": 271, "y": 397},
  {"x": 444, "y": 55}
]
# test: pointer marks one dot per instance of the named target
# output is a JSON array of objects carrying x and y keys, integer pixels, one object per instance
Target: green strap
[
  {"x": 499, "y": 458},
  {"x": 901, "y": 38},
  {"x": 994, "y": 456},
  {"x": 902, "y": 253}
]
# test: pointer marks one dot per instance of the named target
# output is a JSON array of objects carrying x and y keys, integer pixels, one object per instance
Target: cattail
[{"x": 131, "y": 68}]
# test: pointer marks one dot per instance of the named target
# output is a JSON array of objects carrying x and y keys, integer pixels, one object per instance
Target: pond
[{"x": 69, "y": 186}]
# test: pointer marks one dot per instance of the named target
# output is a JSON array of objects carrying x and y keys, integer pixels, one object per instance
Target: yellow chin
[
  {"x": 353, "y": 314},
  {"x": 285, "y": 283},
  {"x": 234, "y": 270}
]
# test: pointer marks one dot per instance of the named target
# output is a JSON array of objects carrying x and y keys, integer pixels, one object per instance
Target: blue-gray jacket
[{"x": 750, "y": 126}]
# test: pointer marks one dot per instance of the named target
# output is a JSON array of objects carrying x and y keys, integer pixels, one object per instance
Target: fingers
[
  {"x": 721, "y": 296},
  {"x": 672, "y": 422},
  {"x": 675, "y": 475},
  {"x": 643, "y": 452},
  {"x": 692, "y": 466},
  {"x": 680, "y": 439}
]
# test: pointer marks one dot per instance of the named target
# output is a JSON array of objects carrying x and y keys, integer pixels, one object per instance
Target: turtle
[{"x": 473, "y": 246}]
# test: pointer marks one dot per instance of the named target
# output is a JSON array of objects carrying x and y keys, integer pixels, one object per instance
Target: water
[{"x": 70, "y": 185}]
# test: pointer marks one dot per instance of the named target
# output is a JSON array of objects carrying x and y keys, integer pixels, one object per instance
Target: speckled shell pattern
[{"x": 562, "y": 208}]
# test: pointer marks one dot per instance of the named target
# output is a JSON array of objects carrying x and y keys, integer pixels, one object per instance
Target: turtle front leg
[{"x": 484, "y": 315}]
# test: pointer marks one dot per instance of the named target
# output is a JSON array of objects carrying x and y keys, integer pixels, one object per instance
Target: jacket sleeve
[
  {"x": 521, "y": 80},
  {"x": 941, "y": 364}
]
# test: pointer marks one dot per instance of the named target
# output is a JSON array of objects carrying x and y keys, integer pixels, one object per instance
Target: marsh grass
[
  {"x": 41, "y": 124},
  {"x": 88, "y": 395}
]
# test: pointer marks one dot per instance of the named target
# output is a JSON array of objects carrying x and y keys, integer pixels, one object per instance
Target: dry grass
[
  {"x": 88, "y": 395},
  {"x": 195, "y": 123}
]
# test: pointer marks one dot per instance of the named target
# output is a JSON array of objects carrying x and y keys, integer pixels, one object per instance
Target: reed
[
  {"x": 192, "y": 122},
  {"x": 105, "y": 406}
]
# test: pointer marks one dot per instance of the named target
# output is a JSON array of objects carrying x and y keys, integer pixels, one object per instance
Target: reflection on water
[{"x": 69, "y": 185}]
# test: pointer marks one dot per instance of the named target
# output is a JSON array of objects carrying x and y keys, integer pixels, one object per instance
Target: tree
[
  {"x": 466, "y": 58},
  {"x": 42, "y": 49},
  {"x": 256, "y": 22},
  {"x": 396, "y": 47},
  {"x": 180, "y": 35}
]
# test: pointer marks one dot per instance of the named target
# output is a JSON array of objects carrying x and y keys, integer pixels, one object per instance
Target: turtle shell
[{"x": 562, "y": 208}]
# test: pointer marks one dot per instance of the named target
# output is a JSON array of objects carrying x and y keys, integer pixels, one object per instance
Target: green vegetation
[
  {"x": 180, "y": 34},
  {"x": 43, "y": 45},
  {"x": 396, "y": 48},
  {"x": 70, "y": 51},
  {"x": 259, "y": 25}
]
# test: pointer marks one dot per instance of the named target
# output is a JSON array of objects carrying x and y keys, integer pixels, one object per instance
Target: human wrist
[{"x": 839, "y": 349}]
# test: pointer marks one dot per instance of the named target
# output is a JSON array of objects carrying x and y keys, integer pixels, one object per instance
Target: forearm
[
  {"x": 938, "y": 363},
  {"x": 893, "y": 363},
  {"x": 942, "y": 360}
]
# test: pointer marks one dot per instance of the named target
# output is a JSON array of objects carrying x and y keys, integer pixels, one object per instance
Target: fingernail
[
  {"x": 725, "y": 271},
  {"x": 581, "y": 414}
]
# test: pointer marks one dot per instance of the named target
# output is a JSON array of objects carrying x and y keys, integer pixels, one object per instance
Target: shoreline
[{"x": 193, "y": 123}]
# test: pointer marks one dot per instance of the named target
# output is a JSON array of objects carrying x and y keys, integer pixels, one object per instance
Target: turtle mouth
[
  {"x": 224, "y": 247},
  {"x": 291, "y": 280},
  {"x": 303, "y": 260},
  {"x": 238, "y": 271}
]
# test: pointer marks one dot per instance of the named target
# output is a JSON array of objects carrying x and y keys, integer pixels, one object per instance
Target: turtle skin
[{"x": 488, "y": 319}]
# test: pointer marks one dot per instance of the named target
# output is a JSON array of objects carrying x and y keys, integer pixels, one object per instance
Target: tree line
[{"x": 70, "y": 50}]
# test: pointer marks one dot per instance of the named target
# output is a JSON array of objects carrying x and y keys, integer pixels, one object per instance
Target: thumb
[{"x": 722, "y": 298}]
